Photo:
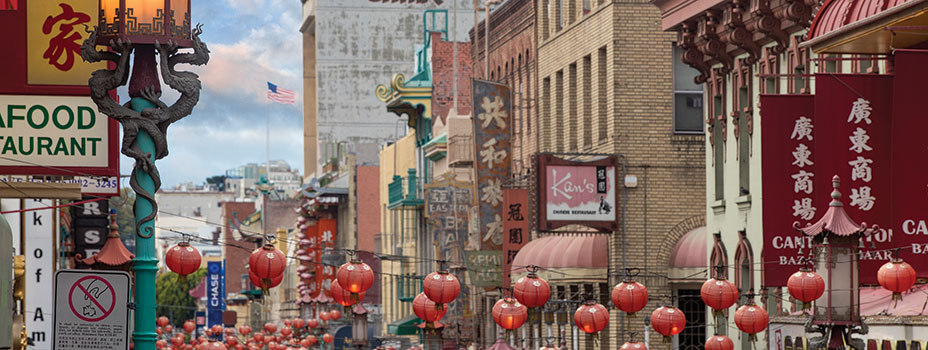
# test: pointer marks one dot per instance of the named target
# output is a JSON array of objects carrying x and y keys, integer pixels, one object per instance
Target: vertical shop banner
[
  {"x": 91, "y": 226},
  {"x": 788, "y": 135},
  {"x": 909, "y": 146},
  {"x": 447, "y": 203},
  {"x": 40, "y": 271},
  {"x": 515, "y": 227},
  {"x": 214, "y": 297},
  {"x": 313, "y": 253},
  {"x": 855, "y": 143},
  {"x": 492, "y": 147},
  {"x": 325, "y": 274}
]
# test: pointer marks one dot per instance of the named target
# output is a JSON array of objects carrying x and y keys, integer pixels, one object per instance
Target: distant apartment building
[{"x": 243, "y": 180}]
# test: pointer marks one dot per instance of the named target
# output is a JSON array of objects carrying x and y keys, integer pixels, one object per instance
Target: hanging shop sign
[
  {"x": 573, "y": 192},
  {"x": 215, "y": 293},
  {"x": 56, "y": 135},
  {"x": 91, "y": 227},
  {"x": 327, "y": 234},
  {"x": 493, "y": 155},
  {"x": 515, "y": 227},
  {"x": 485, "y": 268}
]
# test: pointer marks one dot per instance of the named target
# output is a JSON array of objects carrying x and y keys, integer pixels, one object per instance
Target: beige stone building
[{"x": 609, "y": 85}]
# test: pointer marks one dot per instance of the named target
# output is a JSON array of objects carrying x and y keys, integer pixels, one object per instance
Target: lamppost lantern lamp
[
  {"x": 836, "y": 239},
  {"x": 145, "y": 21}
]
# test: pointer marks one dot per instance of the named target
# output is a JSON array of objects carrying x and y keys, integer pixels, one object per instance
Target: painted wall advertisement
[
  {"x": 572, "y": 192},
  {"x": 447, "y": 203},
  {"x": 864, "y": 129}
]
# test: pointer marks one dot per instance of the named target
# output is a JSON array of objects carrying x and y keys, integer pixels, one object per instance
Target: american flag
[{"x": 280, "y": 95}]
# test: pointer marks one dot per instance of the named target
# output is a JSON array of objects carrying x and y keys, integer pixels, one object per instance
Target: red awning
[
  {"x": 690, "y": 250},
  {"x": 564, "y": 251},
  {"x": 835, "y": 14}
]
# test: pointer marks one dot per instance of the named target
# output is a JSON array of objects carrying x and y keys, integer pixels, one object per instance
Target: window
[
  {"x": 687, "y": 97},
  {"x": 572, "y": 108},
  {"x": 545, "y": 19},
  {"x": 586, "y": 6},
  {"x": 601, "y": 94},
  {"x": 546, "y": 112},
  {"x": 693, "y": 337},
  {"x": 559, "y": 108},
  {"x": 558, "y": 17},
  {"x": 587, "y": 103}
]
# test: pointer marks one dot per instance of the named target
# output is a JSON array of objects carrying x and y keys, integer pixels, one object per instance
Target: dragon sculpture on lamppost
[{"x": 154, "y": 121}]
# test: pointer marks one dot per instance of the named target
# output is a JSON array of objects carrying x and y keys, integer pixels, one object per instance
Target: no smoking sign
[{"x": 91, "y": 310}]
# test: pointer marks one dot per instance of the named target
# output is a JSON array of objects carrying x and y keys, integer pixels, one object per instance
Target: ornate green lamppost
[{"x": 149, "y": 28}]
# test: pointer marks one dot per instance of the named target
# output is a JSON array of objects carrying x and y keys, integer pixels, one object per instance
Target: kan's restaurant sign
[
  {"x": 865, "y": 129},
  {"x": 48, "y": 123},
  {"x": 572, "y": 192}
]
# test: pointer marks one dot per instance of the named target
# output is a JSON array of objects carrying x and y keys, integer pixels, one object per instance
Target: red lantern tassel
[
  {"x": 668, "y": 339},
  {"x": 182, "y": 279},
  {"x": 265, "y": 285},
  {"x": 806, "y": 306},
  {"x": 896, "y": 298},
  {"x": 631, "y": 314}
]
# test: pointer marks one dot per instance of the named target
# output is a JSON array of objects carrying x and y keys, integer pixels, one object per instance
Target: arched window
[
  {"x": 744, "y": 265},
  {"x": 719, "y": 255}
]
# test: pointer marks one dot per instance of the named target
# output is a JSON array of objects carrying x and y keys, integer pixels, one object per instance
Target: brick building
[{"x": 608, "y": 85}]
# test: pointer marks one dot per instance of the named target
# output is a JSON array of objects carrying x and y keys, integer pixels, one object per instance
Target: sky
[{"x": 251, "y": 42}]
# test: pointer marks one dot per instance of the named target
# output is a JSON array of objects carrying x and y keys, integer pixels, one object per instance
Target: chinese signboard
[
  {"x": 571, "y": 192},
  {"x": 492, "y": 143},
  {"x": 865, "y": 129},
  {"x": 55, "y": 31},
  {"x": 447, "y": 203},
  {"x": 91, "y": 310},
  {"x": 515, "y": 227},
  {"x": 64, "y": 132},
  {"x": 325, "y": 273}
]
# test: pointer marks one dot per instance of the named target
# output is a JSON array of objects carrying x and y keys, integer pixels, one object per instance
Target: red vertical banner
[
  {"x": 854, "y": 115},
  {"x": 910, "y": 146},
  {"x": 313, "y": 254},
  {"x": 325, "y": 274},
  {"x": 515, "y": 227},
  {"x": 789, "y": 131}
]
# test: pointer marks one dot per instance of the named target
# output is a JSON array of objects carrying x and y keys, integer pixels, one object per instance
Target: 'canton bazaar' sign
[
  {"x": 492, "y": 143},
  {"x": 864, "y": 129},
  {"x": 571, "y": 192}
]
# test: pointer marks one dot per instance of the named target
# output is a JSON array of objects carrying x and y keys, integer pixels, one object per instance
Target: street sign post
[{"x": 91, "y": 310}]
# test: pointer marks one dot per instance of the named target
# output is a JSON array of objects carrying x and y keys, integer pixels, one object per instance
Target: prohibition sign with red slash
[{"x": 93, "y": 297}]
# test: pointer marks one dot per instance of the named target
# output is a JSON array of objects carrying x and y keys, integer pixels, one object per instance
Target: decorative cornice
[
  {"x": 769, "y": 24},
  {"x": 692, "y": 56},
  {"x": 739, "y": 33},
  {"x": 713, "y": 45}
]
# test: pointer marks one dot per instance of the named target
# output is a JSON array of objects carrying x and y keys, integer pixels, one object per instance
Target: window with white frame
[{"x": 687, "y": 97}]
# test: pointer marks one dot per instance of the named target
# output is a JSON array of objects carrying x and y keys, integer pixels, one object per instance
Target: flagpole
[{"x": 267, "y": 146}]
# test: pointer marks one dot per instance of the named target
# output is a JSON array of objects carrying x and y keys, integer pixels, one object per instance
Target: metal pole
[
  {"x": 267, "y": 146},
  {"x": 486, "y": 40}
]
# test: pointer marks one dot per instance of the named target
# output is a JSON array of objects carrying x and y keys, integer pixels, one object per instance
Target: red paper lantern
[
  {"x": 163, "y": 321},
  {"x": 355, "y": 276},
  {"x": 335, "y": 315},
  {"x": 267, "y": 263},
  {"x": 270, "y": 327},
  {"x": 719, "y": 294},
  {"x": 161, "y": 343},
  {"x": 591, "y": 317},
  {"x": 344, "y": 297},
  {"x": 630, "y": 296},
  {"x": 259, "y": 337},
  {"x": 751, "y": 319},
  {"x": 509, "y": 313},
  {"x": 260, "y": 283},
  {"x": 668, "y": 321},
  {"x": 441, "y": 287},
  {"x": 312, "y": 339},
  {"x": 159, "y": 331},
  {"x": 231, "y": 341},
  {"x": 298, "y": 323},
  {"x": 897, "y": 276},
  {"x": 426, "y": 309},
  {"x": 805, "y": 285},
  {"x": 183, "y": 259},
  {"x": 287, "y": 322},
  {"x": 285, "y": 331},
  {"x": 531, "y": 290},
  {"x": 719, "y": 342},
  {"x": 306, "y": 343},
  {"x": 189, "y": 327},
  {"x": 312, "y": 323},
  {"x": 244, "y": 330},
  {"x": 634, "y": 346},
  {"x": 168, "y": 329},
  {"x": 177, "y": 341},
  {"x": 324, "y": 315},
  {"x": 327, "y": 338}
]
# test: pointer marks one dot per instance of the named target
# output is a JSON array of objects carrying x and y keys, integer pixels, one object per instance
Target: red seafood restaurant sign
[{"x": 866, "y": 129}]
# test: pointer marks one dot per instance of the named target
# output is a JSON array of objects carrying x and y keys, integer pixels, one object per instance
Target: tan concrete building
[{"x": 608, "y": 85}]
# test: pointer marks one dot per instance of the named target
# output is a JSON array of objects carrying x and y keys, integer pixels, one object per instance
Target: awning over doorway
[
  {"x": 565, "y": 256},
  {"x": 688, "y": 259},
  {"x": 404, "y": 326},
  {"x": 868, "y": 27}
]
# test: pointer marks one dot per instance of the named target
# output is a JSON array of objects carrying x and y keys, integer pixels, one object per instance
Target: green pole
[{"x": 145, "y": 264}]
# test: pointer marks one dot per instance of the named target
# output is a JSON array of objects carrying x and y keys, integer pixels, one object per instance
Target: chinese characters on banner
[
  {"x": 325, "y": 274},
  {"x": 447, "y": 203},
  {"x": 492, "y": 136},
  {"x": 55, "y": 31},
  {"x": 313, "y": 256},
  {"x": 909, "y": 146},
  {"x": 856, "y": 111},
  {"x": 515, "y": 227},
  {"x": 788, "y": 136}
]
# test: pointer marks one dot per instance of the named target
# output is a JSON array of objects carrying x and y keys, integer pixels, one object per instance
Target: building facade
[{"x": 607, "y": 85}]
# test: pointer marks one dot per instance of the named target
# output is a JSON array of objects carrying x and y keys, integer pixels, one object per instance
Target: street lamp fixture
[{"x": 147, "y": 28}]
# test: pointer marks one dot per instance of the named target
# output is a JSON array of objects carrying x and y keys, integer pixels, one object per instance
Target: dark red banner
[
  {"x": 515, "y": 227},
  {"x": 325, "y": 274},
  {"x": 789, "y": 132},
  {"x": 910, "y": 147},
  {"x": 854, "y": 112}
]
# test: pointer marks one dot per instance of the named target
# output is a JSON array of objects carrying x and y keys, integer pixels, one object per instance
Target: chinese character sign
[
  {"x": 788, "y": 136},
  {"x": 327, "y": 229},
  {"x": 55, "y": 31},
  {"x": 447, "y": 203},
  {"x": 857, "y": 112},
  {"x": 515, "y": 227},
  {"x": 492, "y": 137}
]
